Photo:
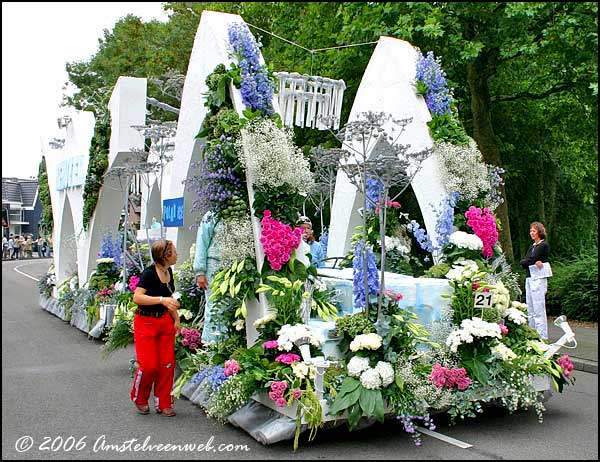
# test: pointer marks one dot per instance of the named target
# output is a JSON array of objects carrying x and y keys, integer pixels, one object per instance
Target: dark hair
[
  {"x": 540, "y": 229},
  {"x": 161, "y": 250}
]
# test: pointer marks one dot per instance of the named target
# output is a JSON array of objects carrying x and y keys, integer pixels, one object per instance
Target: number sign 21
[{"x": 483, "y": 299}]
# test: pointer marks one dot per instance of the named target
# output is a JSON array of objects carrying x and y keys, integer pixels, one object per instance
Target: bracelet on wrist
[{"x": 161, "y": 299}]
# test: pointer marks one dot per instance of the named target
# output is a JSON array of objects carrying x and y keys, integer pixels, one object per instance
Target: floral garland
[{"x": 256, "y": 87}]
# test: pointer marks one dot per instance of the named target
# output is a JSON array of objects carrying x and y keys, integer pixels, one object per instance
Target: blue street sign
[{"x": 173, "y": 212}]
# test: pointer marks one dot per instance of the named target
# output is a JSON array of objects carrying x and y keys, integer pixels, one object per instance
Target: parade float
[{"x": 406, "y": 320}]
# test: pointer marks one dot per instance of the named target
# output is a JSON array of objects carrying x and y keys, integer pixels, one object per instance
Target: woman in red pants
[{"x": 155, "y": 324}]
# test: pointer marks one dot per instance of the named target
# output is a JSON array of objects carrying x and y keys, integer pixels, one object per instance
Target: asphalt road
[{"x": 61, "y": 400}]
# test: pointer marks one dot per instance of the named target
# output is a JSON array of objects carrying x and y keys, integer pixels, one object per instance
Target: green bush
[{"x": 573, "y": 290}]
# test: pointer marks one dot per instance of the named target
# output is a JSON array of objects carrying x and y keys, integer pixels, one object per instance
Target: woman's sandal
[
  {"x": 143, "y": 408},
  {"x": 168, "y": 412}
]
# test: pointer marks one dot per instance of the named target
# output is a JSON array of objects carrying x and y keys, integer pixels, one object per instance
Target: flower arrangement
[
  {"x": 289, "y": 335},
  {"x": 483, "y": 224},
  {"x": 432, "y": 84},
  {"x": 133, "y": 282},
  {"x": 450, "y": 377},
  {"x": 256, "y": 86},
  {"x": 271, "y": 158},
  {"x": 191, "y": 338},
  {"x": 358, "y": 275},
  {"x": 110, "y": 249},
  {"x": 278, "y": 240},
  {"x": 235, "y": 239}
]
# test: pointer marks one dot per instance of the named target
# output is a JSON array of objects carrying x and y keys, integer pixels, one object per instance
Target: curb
[{"x": 585, "y": 365}]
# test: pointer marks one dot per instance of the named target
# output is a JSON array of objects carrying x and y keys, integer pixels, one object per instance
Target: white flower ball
[
  {"x": 386, "y": 371},
  {"x": 370, "y": 379},
  {"x": 357, "y": 365}
]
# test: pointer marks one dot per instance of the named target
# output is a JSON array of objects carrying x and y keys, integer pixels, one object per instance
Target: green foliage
[
  {"x": 282, "y": 203},
  {"x": 437, "y": 271},
  {"x": 47, "y": 221},
  {"x": 445, "y": 127},
  {"x": 98, "y": 163},
  {"x": 574, "y": 287}
]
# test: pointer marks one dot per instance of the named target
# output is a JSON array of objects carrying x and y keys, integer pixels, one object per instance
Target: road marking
[
  {"x": 445, "y": 438},
  {"x": 16, "y": 268}
]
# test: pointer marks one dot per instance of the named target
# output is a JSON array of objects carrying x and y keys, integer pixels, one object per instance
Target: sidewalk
[{"x": 585, "y": 356}]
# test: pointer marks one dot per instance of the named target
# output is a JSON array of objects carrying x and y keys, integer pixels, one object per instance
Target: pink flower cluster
[
  {"x": 393, "y": 295},
  {"x": 278, "y": 240},
  {"x": 388, "y": 203},
  {"x": 271, "y": 344},
  {"x": 442, "y": 376},
  {"x": 133, "y": 282},
  {"x": 191, "y": 338},
  {"x": 105, "y": 293},
  {"x": 287, "y": 358},
  {"x": 566, "y": 364},
  {"x": 503, "y": 329},
  {"x": 231, "y": 367},
  {"x": 276, "y": 393},
  {"x": 483, "y": 224}
]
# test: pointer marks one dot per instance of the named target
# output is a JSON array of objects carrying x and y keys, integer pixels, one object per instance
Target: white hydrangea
[
  {"x": 370, "y": 379},
  {"x": 272, "y": 159},
  {"x": 502, "y": 352},
  {"x": 469, "y": 330},
  {"x": 466, "y": 241},
  {"x": 289, "y": 334},
  {"x": 357, "y": 365},
  {"x": 261, "y": 322},
  {"x": 386, "y": 371},
  {"x": 366, "y": 342}
]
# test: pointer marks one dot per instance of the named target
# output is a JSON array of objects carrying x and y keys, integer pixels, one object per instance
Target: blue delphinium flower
[
  {"x": 358, "y": 271},
  {"x": 421, "y": 236},
  {"x": 445, "y": 220},
  {"x": 438, "y": 97},
  {"x": 324, "y": 241},
  {"x": 256, "y": 88},
  {"x": 110, "y": 248},
  {"x": 374, "y": 191}
]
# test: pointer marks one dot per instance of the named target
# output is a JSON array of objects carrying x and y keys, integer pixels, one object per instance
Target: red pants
[{"x": 155, "y": 350}]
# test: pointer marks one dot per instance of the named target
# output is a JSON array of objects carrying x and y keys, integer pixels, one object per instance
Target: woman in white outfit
[{"x": 535, "y": 289}]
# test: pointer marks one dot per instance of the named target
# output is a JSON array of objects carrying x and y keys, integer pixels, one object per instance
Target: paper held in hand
[{"x": 537, "y": 273}]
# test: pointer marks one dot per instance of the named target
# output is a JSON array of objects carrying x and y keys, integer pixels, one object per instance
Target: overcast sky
[{"x": 38, "y": 39}]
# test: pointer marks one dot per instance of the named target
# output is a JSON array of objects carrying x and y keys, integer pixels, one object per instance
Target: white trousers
[{"x": 535, "y": 294}]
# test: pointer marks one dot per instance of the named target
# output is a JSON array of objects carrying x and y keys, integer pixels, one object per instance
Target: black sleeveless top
[{"x": 150, "y": 281}]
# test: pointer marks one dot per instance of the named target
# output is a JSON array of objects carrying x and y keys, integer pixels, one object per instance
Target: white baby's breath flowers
[
  {"x": 357, "y": 365},
  {"x": 370, "y": 379},
  {"x": 366, "y": 342},
  {"x": 235, "y": 239},
  {"x": 462, "y": 169},
  {"x": 272, "y": 159},
  {"x": 261, "y": 322},
  {"x": 466, "y": 241},
  {"x": 502, "y": 352}
]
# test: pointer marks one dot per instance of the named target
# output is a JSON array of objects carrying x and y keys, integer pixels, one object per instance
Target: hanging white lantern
[{"x": 310, "y": 101}]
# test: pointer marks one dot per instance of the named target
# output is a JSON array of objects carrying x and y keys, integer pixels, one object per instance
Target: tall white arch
[{"x": 388, "y": 86}]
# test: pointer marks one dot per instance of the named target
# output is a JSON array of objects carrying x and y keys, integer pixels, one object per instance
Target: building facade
[{"x": 21, "y": 207}]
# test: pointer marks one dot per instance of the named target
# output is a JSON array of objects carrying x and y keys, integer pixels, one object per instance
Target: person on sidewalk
[
  {"x": 154, "y": 331},
  {"x": 535, "y": 289},
  {"x": 316, "y": 250}
]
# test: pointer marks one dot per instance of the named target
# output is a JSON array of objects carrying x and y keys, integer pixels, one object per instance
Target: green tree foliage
[
  {"x": 44, "y": 196},
  {"x": 524, "y": 74}
]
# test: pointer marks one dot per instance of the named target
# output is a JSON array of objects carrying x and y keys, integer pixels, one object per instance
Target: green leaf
[
  {"x": 379, "y": 406},
  {"x": 343, "y": 401},
  {"x": 354, "y": 415},
  {"x": 367, "y": 400}
]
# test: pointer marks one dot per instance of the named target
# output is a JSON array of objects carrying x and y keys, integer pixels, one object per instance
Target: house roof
[{"x": 17, "y": 190}]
